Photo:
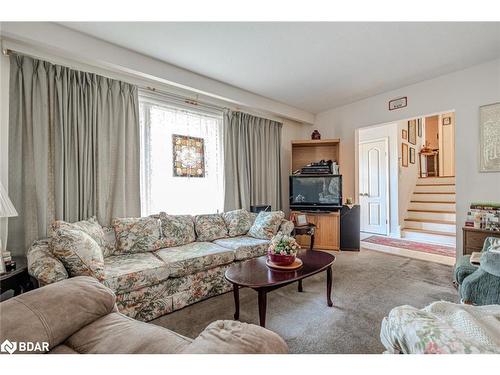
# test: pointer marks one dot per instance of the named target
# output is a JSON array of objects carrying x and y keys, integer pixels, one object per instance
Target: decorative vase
[
  {"x": 281, "y": 260},
  {"x": 315, "y": 135}
]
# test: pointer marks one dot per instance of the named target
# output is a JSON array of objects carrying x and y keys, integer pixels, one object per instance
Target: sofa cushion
[
  {"x": 266, "y": 224},
  {"x": 233, "y": 337},
  {"x": 238, "y": 222},
  {"x": 127, "y": 272},
  {"x": 90, "y": 226},
  {"x": 117, "y": 334},
  {"x": 209, "y": 227},
  {"x": 194, "y": 257},
  {"x": 137, "y": 235},
  {"x": 244, "y": 247},
  {"x": 78, "y": 252},
  {"x": 176, "y": 229},
  {"x": 109, "y": 241}
]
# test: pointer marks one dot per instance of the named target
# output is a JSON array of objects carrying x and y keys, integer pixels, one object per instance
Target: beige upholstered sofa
[
  {"x": 79, "y": 315},
  {"x": 156, "y": 272}
]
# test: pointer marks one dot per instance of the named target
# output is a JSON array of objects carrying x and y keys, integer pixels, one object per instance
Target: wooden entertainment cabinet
[{"x": 327, "y": 233}]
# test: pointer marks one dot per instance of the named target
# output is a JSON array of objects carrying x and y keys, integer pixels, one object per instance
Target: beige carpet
[{"x": 366, "y": 285}]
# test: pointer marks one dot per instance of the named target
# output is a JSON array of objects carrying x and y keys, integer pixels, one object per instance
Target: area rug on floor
[
  {"x": 412, "y": 245},
  {"x": 366, "y": 286}
]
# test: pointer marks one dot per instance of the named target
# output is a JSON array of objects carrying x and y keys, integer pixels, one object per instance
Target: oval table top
[{"x": 254, "y": 273}]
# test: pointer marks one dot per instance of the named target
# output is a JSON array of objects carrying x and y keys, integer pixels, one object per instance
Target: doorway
[
  {"x": 438, "y": 160},
  {"x": 373, "y": 186},
  {"x": 420, "y": 199}
]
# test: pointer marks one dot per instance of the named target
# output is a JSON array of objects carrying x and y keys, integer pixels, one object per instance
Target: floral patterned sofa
[{"x": 155, "y": 264}]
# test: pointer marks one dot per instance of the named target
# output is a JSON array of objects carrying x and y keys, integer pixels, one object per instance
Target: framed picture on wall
[
  {"x": 404, "y": 154},
  {"x": 412, "y": 132},
  {"x": 412, "y": 155},
  {"x": 404, "y": 134},
  {"x": 419, "y": 127},
  {"x": 489, "y": 138},
  {"x": 188, "y": 156}
]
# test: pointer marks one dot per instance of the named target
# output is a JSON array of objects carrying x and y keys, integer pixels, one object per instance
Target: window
[{"x": 173, "y": 132}]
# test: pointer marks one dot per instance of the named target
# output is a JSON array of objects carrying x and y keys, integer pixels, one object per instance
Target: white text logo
[{"x": 24, "y": 346}]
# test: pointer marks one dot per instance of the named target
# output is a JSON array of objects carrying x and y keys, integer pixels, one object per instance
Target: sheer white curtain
[{"x": 160, "y": 190}]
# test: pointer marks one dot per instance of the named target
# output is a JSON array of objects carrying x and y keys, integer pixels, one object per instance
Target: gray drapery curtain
[
  {"x": 252, "y": 161},
  {"x": 73, "y": 148}
]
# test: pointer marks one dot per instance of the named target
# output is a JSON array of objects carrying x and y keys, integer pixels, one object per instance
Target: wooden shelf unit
[
  {"x": 327, "y": 234},
  {"x": 308, "y": 151}
]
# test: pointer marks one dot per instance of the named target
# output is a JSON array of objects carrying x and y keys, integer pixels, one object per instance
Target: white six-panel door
[{"x": 373, "y": 170}]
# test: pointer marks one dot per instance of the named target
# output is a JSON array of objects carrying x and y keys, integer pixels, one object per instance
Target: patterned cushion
[
  {"x": 244, "y": 247},
  {"x": 266, "y": 224},
  {"x": 124, "y": 273},
  {"x": 137, "y": 235},
  {"x": 109, "y": 241},
  {"x": 79, "y": 253},
  {"x": 90, "y": 226},
  {"x": 209, "y": 227},
  {"x": 176, "y": 229},
  {"x": 194, "y": 257},
  {"x": 238, "y": 222}
]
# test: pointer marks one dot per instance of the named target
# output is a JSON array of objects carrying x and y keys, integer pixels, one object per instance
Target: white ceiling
[{"x": 311, "y": 66}]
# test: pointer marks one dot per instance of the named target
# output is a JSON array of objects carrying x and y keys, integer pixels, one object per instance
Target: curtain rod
[{"x": 184, "y": 99}]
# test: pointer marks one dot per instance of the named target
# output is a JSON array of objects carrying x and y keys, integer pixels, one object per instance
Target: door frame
[{"x": 387, "y": 178}]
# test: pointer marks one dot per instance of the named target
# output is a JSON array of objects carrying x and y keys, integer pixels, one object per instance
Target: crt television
[{"x": 315, "y": 192}]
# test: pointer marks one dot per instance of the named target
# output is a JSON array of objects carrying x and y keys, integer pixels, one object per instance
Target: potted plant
[{"x": 282, "y": 250}]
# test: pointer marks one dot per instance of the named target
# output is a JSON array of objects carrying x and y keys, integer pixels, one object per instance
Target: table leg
[
  {"x": 262, "y": 307},
  {"x": 300, "y": 286},
  {"x": 236, "y": 295},
  {"x": 329, "y": 286},
  {"x": 312, "y": 241}
]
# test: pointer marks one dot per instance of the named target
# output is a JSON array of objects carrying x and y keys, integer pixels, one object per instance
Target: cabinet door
[{"x": 327, "y": 232}]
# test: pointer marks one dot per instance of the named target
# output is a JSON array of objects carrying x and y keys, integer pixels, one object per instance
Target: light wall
[
  {"x": 407, "y": 175},
  {"x": 463, "y": 91}
]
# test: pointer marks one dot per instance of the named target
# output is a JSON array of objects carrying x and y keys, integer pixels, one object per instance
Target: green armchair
[{"x": 480, "y": 285}]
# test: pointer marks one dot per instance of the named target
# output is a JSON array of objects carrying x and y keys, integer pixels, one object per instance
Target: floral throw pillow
[
  {"x": 80, "y": 254},
  {"x": 209, "y": 227},
  {"x": 137, "y": 235},
  {"x": 176, "y": 229},
  {"x": 90, "y": 226},
  {"x": 266, "y": 224},
  {"x": 238, "y": 222}
]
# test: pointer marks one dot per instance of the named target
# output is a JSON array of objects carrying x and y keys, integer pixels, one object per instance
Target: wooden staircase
[{"x": 431, "y": 215}]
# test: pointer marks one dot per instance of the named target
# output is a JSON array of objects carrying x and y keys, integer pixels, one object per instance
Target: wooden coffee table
[{"x": 255, "y": 274}]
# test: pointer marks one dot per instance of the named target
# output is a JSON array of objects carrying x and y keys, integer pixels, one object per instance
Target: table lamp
[{"x": 6, "y": 208}]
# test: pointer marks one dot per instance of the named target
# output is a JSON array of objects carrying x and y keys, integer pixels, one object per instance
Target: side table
[
  {"x": 307, "y": 230},
  {"x": 18, "y": 279}
]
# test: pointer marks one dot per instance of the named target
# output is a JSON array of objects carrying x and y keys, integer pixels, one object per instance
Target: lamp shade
[{"x": 6, "y": 207}]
